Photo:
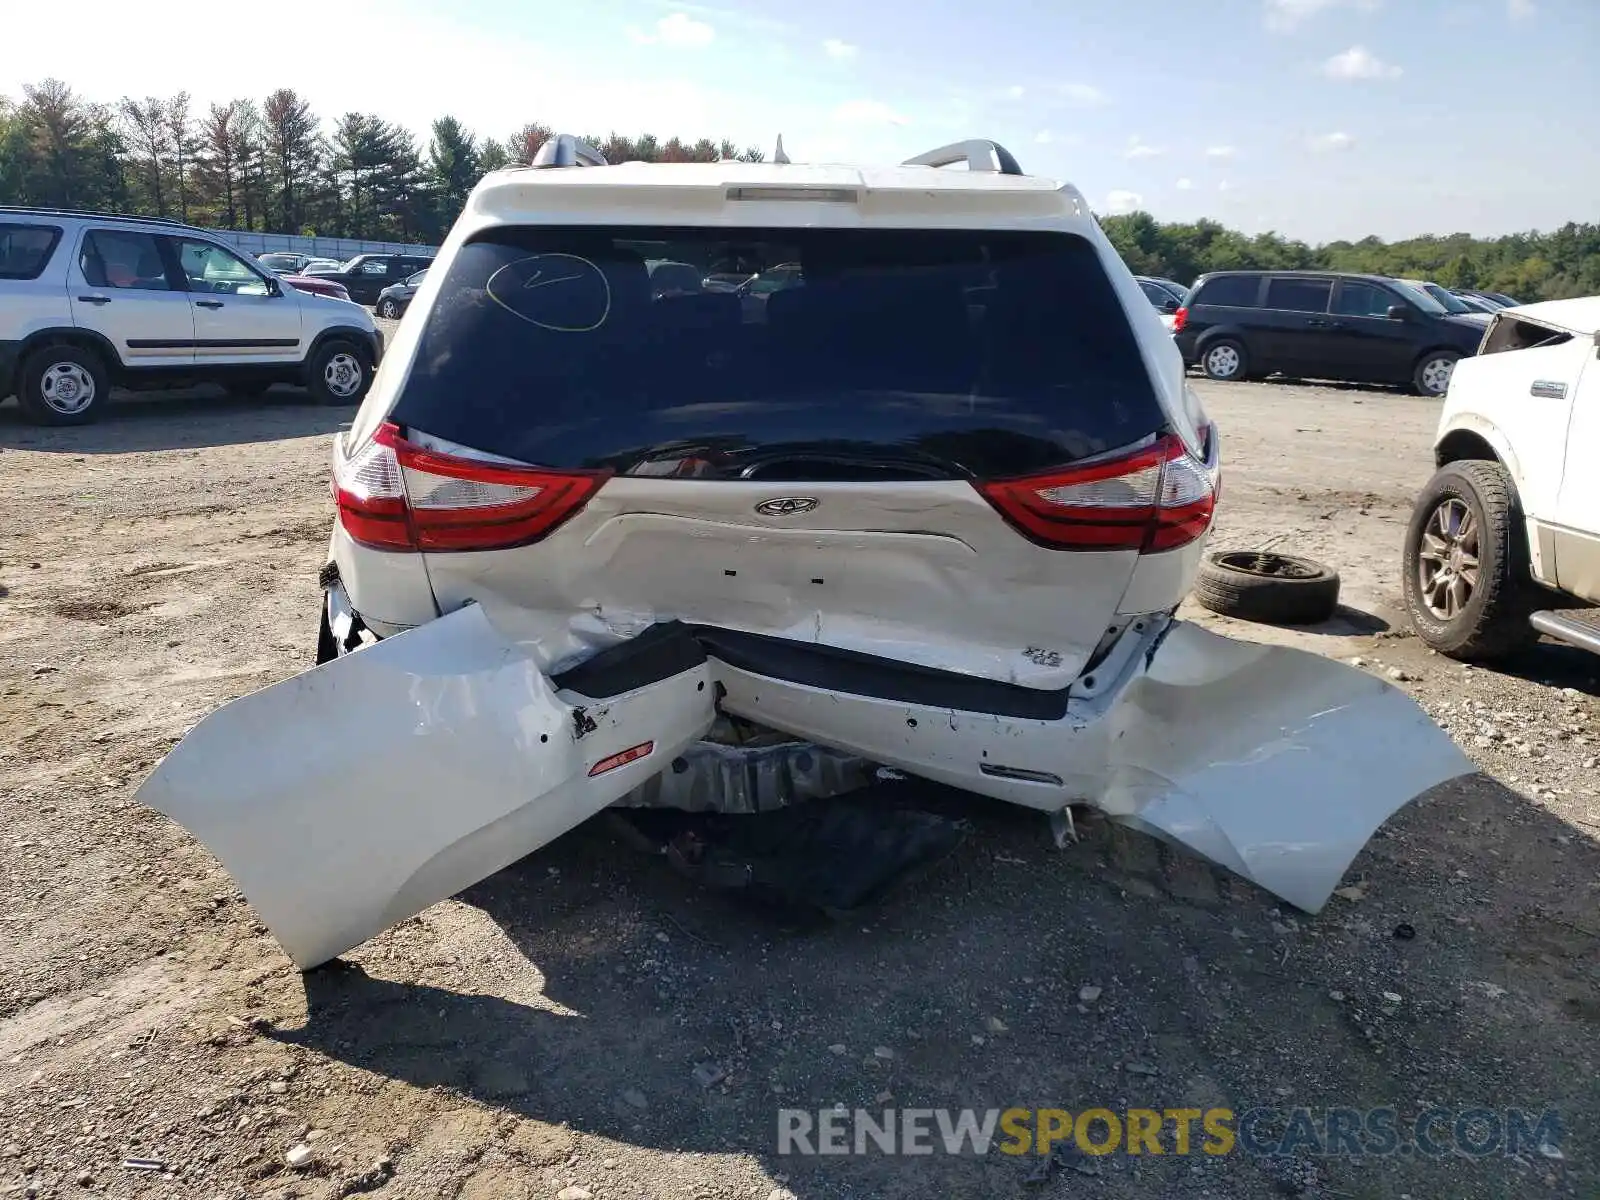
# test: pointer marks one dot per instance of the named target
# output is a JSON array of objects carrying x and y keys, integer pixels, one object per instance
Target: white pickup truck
[{"x": 1504, "y": 543}]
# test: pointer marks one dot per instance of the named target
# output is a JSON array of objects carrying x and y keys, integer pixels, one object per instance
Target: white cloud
[
  {"x": 726, "y": 15},
  {"x": 1085, "y": 95},
  {"x": 1330, "y": 143},
  {"x": 1119, "y": 202},
  {"x": 867, "y": 112},
  {"x": 678, "y": 30},
  {"x": 1285, "y": 16},
  {"x": 1520, "y": 10},
  {"x": 1015, "y": 92},
  {"x": 1138, "y": 148},
  {"x": 1044, "y": 137},
  {"x": 1220, "y": 153},
  {"x": 1224, "y": 186},
  {"x": 1186, "y": 185},
  {"x": 1359, "y": 63},
  {"x": 840, "y": 51}
]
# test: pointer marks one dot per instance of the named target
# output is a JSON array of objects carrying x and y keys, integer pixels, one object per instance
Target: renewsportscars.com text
[{"x": 1262, "y": 1132}]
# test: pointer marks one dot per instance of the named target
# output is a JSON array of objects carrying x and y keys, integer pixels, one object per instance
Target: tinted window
[
  {"x": 1419, "y": 298},
  {"x": 1231, "y": 291},
  {"x": 1363, "y": 300},
  {"x": 1451, "y": 304},
  {"x": 913, "y": 353},
  {"x": 1299, "y": 295},
  {"x": 1156, "y": 294},
  {"x": 210, "y": 268},
  {"x": 374, "y": 266},
  {"x": 114, "y": 259},
  {"x": 25, "y": 249}
]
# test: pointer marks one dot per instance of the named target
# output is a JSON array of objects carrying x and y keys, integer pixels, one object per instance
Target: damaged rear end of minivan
[{"x": 928, "y": 503}]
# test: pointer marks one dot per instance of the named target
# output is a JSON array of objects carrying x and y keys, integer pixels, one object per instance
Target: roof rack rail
[
  {"x": 46, "y": 211},
  {"x": 564, "y": 150},
  {"x": 980, "y": 154}
]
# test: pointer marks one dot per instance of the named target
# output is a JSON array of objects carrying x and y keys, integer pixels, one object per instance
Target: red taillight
[
  {"x": 1157, "y": 498},
  {"x": 1180, "y": 319},
  {"x": 393, "y": 495}
]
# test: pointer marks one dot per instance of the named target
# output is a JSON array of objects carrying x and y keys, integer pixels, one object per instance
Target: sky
[{"x": 1319, "y": 119}]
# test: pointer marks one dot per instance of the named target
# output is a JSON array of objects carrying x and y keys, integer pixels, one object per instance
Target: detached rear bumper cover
[{"x": 351, "y": 797}]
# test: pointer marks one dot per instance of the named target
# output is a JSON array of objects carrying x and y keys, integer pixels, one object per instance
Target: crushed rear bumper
[{"x": 350, "y": 797}]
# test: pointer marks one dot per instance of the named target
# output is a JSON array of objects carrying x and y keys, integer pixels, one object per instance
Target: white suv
[
  {"x": 1504, "y": 542},
  {"x": 88, "y": 302},
  {"x": 930, "y": 501}
]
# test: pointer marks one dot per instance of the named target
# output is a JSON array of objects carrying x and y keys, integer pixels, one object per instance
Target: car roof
[
  {"x": 705, "y": 194},
  {"x": 159, "y": 224},
  {"x": 1303, "y": 274},
  {"x": 1580, "y": 315}
]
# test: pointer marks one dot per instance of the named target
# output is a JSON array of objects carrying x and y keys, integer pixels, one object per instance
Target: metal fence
[{"x": 320, "y": 247}]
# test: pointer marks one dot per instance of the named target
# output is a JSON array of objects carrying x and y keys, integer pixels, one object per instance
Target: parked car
[
  {"x": 1456, "y": 305},
  {"x": 321, "y": 266},
  {"x": 1156, "y": 284},
  {"x": 1322, "y": 325},
  {"x": 909, "y": 515},
  {"x": 1500, "y": 298},
  {"x": 1478, "y": 305},
  {"x": 396, "y": 298},
  {"x": 1167, "y": 297},
  {"x": 366, "y": 275},
  {"x": 317, "y": 286},
  {"x": 283, "y": 262},
  {"x": 1504, "y": 542},
  {"x": 88, "y": 302}
]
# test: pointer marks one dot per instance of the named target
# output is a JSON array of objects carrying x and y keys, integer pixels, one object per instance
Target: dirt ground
[{"x": 541, "y": 1034}]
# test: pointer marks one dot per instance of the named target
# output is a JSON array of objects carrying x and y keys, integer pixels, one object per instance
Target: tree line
[
  {"x": 1528, "y": 266},
  {"x": 271, "y": 166}
]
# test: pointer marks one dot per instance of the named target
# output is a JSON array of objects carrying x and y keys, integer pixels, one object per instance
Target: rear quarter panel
[{"x": 28, "y": 306}]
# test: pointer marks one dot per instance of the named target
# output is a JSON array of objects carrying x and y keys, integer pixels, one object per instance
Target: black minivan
[{"x": 1322, "y": 325}]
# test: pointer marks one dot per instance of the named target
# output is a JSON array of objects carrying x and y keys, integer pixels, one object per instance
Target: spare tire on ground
[{"x": 1274, "y": 589}]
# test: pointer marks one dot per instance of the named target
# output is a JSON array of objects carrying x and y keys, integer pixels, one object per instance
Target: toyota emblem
[{"x": 786, "y": 506}]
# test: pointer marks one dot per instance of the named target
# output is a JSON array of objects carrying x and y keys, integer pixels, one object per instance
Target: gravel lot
[{"x": 541, "y": 1033}]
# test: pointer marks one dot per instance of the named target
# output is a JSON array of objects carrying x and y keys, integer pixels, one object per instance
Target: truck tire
[
  {"x": 1468, "y": 587},
  {"x": 1274, "y": 589},
  {"x": 63, "y": 385}
]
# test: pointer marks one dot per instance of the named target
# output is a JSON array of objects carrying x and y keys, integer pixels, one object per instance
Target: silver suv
[{"x": 90, "y": 301}]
